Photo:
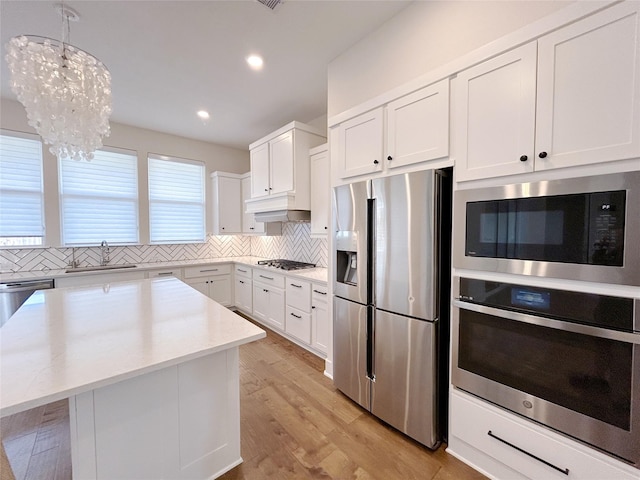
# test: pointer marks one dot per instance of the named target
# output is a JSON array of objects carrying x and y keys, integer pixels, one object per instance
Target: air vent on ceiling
[{"x": 272, "y": 4}]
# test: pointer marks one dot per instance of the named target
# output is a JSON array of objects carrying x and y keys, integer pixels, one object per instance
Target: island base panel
[{"x": 175, "y": 423}]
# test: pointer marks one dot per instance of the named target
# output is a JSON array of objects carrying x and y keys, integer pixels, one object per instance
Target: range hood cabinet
[{"x": 283, "y": 216}]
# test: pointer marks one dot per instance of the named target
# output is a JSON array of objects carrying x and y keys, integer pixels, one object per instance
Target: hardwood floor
[{"x": 294, "y": 425}]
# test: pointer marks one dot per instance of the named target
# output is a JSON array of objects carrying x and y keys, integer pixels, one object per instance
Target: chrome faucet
[
  {"x": 104, "y": 253},
  {"x": 74, "y": 263}
]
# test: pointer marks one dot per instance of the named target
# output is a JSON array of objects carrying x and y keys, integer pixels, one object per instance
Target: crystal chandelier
[{"x": 65, "y": 91}]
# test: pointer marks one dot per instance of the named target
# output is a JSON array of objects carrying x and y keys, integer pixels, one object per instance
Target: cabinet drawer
[
  {"x": 319, "y": 293},
  {"x": 269, "y": 278},
  {"x": 243, "y": 271},
  {"x": 207, "y": 270},
  {"x": 299, "y": 294},
  {"x": 169, "y": 272},
  {"x": 298, "y": 324},
  {"x": 487, "y": 428}
]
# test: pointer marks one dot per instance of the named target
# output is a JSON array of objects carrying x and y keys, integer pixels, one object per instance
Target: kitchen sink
[{"x": 92, "y": 268}]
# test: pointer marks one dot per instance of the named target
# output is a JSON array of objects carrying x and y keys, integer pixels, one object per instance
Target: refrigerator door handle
[{"x": 371, "y": 333}]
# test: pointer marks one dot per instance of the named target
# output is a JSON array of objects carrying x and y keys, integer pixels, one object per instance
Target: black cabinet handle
[
  {"x": 240, "y": 281},
  {"x": 268, "y": 278},
  {"x": 313, "y": 307},
  {"x": 318, "y": 291},
  {"x": 294, "y": 285},
  {"x": 524, "y": 158},
  {"x": 266, "y": 291},
  {"x": 389, "y": 158},
  {"x": 375, "y": 162},
  {"x": 561, "y": 470},
  {"x": 266, "y": 189},
  {"x": 250, "y": 228},
  {"x": 294, "y": 315},
  {"x": 542, "y": 154}
]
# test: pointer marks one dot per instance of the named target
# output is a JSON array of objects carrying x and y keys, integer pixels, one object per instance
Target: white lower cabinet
[
  {"x": 243, "y": 293},
  {"x": 504, "y": 445},
  {"x": 268, "y": 299},
  {"x": 298, "y": 320},
  {"x": 212, "y": 280},
  {"x": 319, "y": 318}
]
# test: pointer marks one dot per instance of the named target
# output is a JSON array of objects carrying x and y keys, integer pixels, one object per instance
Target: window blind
[
  {"x": 99, "y": 199},
  {"x": 176, "y": 200},
  {"x": 21, "y": 194}
]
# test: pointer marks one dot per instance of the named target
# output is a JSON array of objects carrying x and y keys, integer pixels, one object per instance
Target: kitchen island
[{"x": 151, "y": 371}]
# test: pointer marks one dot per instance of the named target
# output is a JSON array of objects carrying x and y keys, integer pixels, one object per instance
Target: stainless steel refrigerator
[{"x": 391, "y": 270}]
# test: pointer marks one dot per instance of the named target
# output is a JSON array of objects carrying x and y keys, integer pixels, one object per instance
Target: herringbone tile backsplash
[{"x": 294, "y": 244}]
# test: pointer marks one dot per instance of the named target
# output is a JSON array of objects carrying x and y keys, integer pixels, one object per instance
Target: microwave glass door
[{"x": 577, "y": 228}]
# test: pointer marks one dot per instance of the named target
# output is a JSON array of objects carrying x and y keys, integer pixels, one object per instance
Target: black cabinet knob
[
  {"x": 266, "y": 189},
  {"x": 325, "y": 228},
  {"x": 375, "y": 162},
  {"x": 542, "y": 154},
  {"x": 389, "y": 157},
  {"x": 524, "y": 158},
  {"x": 223, "y": 228},
  {"x": 270, "y": 188}
]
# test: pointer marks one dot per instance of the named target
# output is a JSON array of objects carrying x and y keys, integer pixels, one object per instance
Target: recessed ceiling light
[
  {"x": 255, "y": 61},
  {"x": 203, "y": 114}
]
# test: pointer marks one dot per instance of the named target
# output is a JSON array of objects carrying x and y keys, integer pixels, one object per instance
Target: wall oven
[
  {"x": 579, "y": 229},
  {"x": 566, "y": 359}
]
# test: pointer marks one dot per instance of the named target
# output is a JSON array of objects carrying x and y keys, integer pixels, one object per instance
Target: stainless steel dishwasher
[{"x": 14, "y": 294}]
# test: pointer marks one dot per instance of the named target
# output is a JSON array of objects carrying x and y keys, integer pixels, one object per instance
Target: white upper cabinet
[
  {"x": 495, "y": 112},
  {"x": 259, "y": 158},
  {"x": 360, "y": 144},
  {"x": 280, "y": 169},
  {"x": 570, "y": 98},
  {"x": 249, "y": 224},
  {"x": 588, "y": 107},
  {"x": 320, "y": 191},
  {"x": 407, "y": 131},
  {"x": 418, "y": 126},
  {"x": 227, "y": 203}
]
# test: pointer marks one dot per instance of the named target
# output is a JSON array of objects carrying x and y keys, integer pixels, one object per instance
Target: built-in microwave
[{"x": 582, "y": 228}]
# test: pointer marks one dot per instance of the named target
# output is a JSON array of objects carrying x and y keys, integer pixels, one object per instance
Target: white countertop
[
  {"x": 66, "y": 341},
  {"x": 318, "y": 274}
]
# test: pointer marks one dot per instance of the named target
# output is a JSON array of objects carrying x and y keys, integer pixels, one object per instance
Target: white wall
[
  {"x": 422, "y": 37},
  {"x": 216, "y": 157}
]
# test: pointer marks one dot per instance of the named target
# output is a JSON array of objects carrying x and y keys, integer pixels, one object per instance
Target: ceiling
[{"x": 169, "y": 59}]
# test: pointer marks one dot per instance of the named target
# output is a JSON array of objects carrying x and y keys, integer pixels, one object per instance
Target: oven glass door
[{"x": 585, "y": 374}]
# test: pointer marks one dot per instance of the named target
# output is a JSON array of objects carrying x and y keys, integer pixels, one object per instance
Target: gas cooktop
[{"x": 286, "y": 264}]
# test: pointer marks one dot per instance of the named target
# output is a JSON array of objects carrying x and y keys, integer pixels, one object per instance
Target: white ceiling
[{"x": 169, "y": 59}]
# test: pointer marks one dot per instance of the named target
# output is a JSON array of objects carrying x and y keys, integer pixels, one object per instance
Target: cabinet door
[
  {"x": 281, "y": 169},
  {"x": 418, "y": 126},
  {"x": 243, "y": 295},
  {"x": 227, "y": 208},
  {"x": 589, "y": 90},
  {"x": 200, "y": 284},
  {"x": 260, "y": 302},
  {"x": 220, "y": 289},
  {"x": 495, "y": 110},
  {"x": 259, "y": 159},
  {"x": 320, "y": 193},
  {"x": 247, "y": 218},
  {"x": 276, "y": 308},
  {"x": 360, "y": 144},
  {"x": 320, "y": 326}
]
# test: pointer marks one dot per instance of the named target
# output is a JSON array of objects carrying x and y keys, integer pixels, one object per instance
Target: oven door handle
[{"x": 627, "y": 337}]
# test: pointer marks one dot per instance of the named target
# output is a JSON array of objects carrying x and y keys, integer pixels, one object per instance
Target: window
[
  {"x": 99, "y": 199},
  {"x": 21, "y": 197},
  {"x": 176, "y": 200}
]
